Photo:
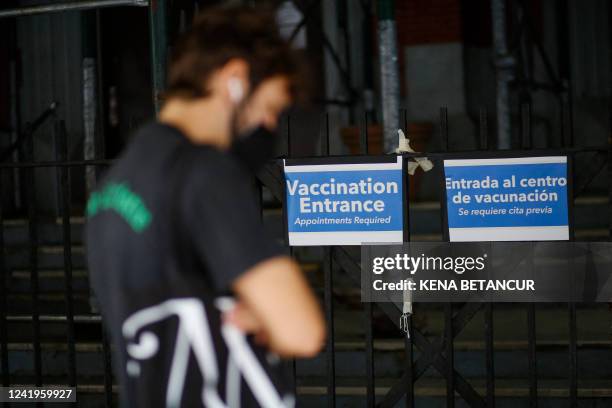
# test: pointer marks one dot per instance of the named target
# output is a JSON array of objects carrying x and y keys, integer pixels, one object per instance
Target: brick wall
[{"x": 428, "y": 21}]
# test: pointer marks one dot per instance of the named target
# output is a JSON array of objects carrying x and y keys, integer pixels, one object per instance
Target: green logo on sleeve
[{"x": 129, "y": 205}]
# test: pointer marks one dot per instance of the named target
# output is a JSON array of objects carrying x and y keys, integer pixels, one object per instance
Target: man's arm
[
  {"x": 281, "y": 301},
  {"x": 223, "y": 220}
]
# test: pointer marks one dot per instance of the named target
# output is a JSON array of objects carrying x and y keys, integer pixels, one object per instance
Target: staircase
[
  {"x": 510, "y": 325},
  {"x": 90, "y": 358}
]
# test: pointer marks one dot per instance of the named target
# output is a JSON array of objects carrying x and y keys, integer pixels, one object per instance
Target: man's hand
[
  {"x": 241, "y": 317},
  {"x": 245, "y": 320}
]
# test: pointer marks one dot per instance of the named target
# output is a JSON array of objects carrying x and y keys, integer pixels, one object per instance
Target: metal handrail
[
  {"x": 69, "y": 6},
  {"x": 29, "y": 131}
]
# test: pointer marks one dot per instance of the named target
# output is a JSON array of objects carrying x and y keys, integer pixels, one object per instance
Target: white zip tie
[{"x": 404, "y": 147}]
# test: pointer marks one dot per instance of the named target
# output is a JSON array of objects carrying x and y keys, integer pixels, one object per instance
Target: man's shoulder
[
  {"x": 147, "y": 147},
  {"x": 219, "y": 166}
]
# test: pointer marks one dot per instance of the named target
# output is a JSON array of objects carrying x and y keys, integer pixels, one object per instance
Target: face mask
[{"x": 255, "y": 148}]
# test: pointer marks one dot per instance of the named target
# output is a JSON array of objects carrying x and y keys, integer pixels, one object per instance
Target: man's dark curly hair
[{"x": 221, "y": 34}]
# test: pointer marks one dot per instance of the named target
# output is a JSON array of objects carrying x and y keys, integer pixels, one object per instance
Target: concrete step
[
  {"x": 509, "y": 321},
  {"x": 53, "y": 328},
  {"x": 89, "y": 359},
  {"x": 49, "y": 280},
  {"x": 350, "y": 365},
  {"x": 511, "y": 359},
  {"x": 53, "y": 303},
  {"x": 49, "y": 230},
  {"x": 437, "y": 387},
  {"x": 552, "y": 362},
  {"x": 594, "y": 322},
  {"x": 398, "y": 345},
  {"x": 431, "y": 393},
  {"x": 48, "y": 257}
]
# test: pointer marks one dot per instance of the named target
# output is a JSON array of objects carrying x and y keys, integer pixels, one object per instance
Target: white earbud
[{"x": 235, "y": 90}]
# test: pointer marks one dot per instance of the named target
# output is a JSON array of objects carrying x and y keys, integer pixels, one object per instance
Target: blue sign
[
  {"x": 514, "y": 199},
  {"x": 344, "y": 204}
]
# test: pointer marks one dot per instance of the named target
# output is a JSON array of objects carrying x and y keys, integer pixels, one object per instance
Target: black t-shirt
[{"x": 169, "y": 229}]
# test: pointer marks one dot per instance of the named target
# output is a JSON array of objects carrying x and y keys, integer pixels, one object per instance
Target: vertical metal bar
[
  {"x": 444, "y": 127},
  {"x": 369, "y": 349},
  {"x": 407, "y": 185},
  {"x": 329, "y": 317},
  {"x": 366, "y": 145},
  {"x": 343, "y": 26},
  {"x": 564, "y": 121},
  {"x": 573, "y": 356},
  {"x": 326, "y": 136},
  {"x": 527, "y": 141},
  {"x": 389, "y": 76},
  {"x": 15, "y": 115},
  {"x": 363, "y": 134},
  {"x": 448, "y": 308},
  {"x": 564, "y": 59},
  {"x": 567, "y": 123},
  {"x": 561, "y": 121},
  {"x": 504, "y": 67},
  {"x": 89, "y": 93},
  {"x": 489, "y": 354},
  {"x": 444, "y": 141},
  {"x": 30, "y": 186},
  {"x": 367, "y": 43},
  {"x": 100, "y": 151},
  {"x": 64, "y": 184},
  {"x": 450, "y": 356},
  {"x": 573, "y": 330},
  {"x": 610, "y": 173},
  {"x": 108, "y": 370},
  {"x": 408, "y": 346},
  {"x": 483, "y": 129},
  {"x": 569, "y": 112},
  {"x": 4, "y": 363},
  {"x": 158, "y": 39},
  {"x": 328, "y": 285},
  {"x": 531, "y": 356},
  {"x": 368, "y": 308}
]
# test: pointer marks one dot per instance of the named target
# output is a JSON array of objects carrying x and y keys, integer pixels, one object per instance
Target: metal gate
[
  {"x": 438, "y": 352},
  {"x": 39, "y": 320}
]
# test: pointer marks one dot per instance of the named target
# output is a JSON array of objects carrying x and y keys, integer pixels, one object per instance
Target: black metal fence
[
  {"x": 43, "y": 324},
  {"x": 439, "y": 352},
  {"x": 33, "y": 324}
]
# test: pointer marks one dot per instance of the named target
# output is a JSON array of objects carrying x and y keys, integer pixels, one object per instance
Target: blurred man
[{"x": 183, "y": 272}]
